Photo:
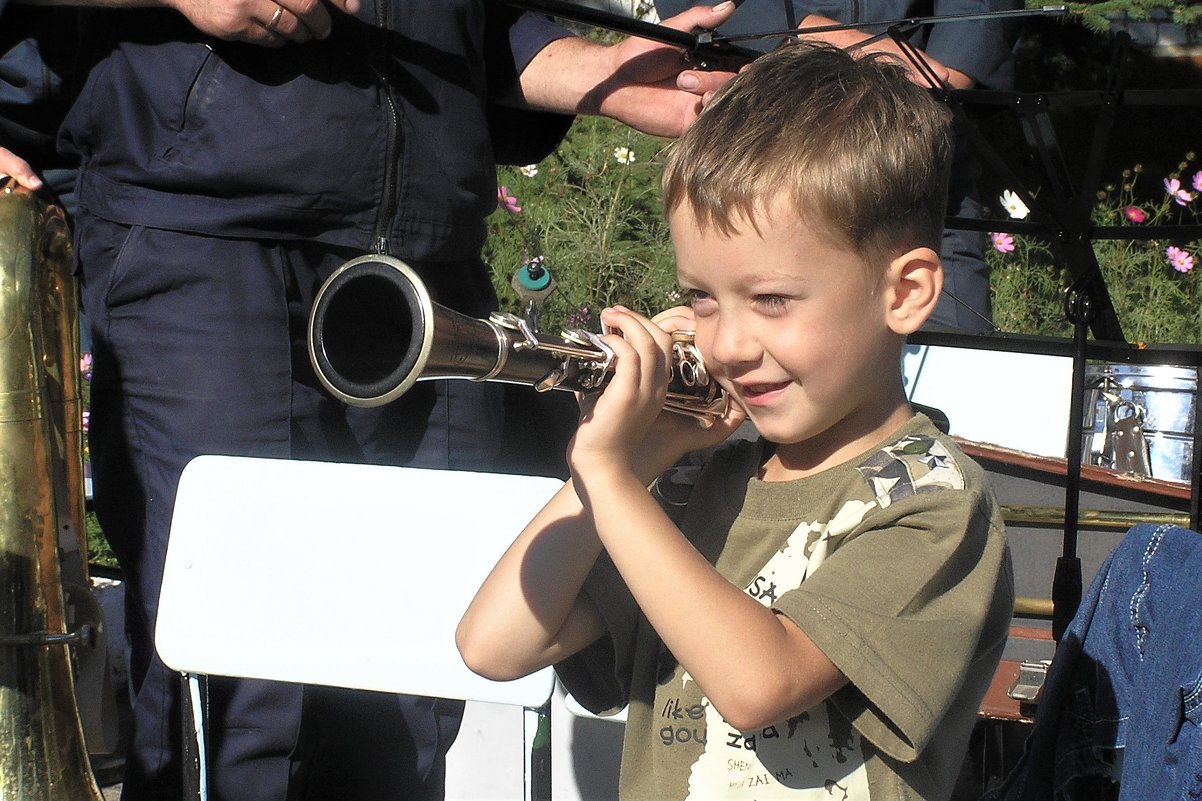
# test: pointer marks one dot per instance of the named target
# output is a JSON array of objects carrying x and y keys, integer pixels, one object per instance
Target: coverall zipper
[{"x": 392, "y": 164}]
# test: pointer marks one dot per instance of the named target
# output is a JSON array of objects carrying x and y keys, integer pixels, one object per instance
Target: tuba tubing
[
  {"x": 374, "y": 332},
  {"x": 42, "y": 749}
]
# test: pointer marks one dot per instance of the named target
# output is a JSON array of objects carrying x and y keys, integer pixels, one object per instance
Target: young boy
[{"x": 825, "y": 608}]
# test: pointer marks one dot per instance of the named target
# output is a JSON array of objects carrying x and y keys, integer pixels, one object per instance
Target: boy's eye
[
  {"x": 692, "y": 297},
  {"x": 772, "y": 303}
]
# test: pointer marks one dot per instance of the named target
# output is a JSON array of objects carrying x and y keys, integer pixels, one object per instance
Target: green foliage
[
  {"x": 600, "y": 225},
  {"x": 597, "y": 221},
  {"x": 1155, "y": 302},
  {"x": 99, "y": 552},
  {"x": 1098, "y": 15},
  {"x": 1027, "y": 290}
]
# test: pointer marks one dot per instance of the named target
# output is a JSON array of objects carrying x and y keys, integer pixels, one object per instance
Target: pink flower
[
  {"x": 1181, "y": 260},
  {"x": 1180, "y": 196},
  {"x": 1002, "y": 242},
  {"x": 85, "y": 366},
  {"x": 507, "y": 201},
  {"x": 1134, "y": 214},
  {"x": 1197, "y": 182}
]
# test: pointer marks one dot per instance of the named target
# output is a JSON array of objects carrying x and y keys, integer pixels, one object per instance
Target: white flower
[
  {"x": 530, "y": 170},
  {"x": 624, "y": 155},
  {"x": 1014, "y": 206}
]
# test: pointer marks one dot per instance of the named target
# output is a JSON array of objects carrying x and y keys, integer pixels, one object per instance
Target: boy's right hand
[
  {"x": 677, "y": 434},
  {"x": 625, "y": 426}
]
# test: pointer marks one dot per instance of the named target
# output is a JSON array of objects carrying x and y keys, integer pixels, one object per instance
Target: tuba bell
[
  {"x": 42, "y": 750},
  {"x": 374, "y": 332}
]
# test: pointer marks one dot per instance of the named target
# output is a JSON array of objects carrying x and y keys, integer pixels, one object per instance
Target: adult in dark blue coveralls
[
  {"x": 964, "y": 54},
  {"x": 232, "y": 156}
]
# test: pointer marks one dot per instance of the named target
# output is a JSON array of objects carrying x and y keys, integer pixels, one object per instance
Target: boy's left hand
[{"x": 686, "y": 433}]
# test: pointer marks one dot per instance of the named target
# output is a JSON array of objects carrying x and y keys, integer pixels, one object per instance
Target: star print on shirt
[{"x": 914, "y": 464}]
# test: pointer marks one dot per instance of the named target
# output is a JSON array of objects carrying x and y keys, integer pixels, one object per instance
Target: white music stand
[{"x": 335, "y": 574}]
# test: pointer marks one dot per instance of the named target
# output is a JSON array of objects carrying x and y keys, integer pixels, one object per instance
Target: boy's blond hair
[{"x": 859, "y": 150}]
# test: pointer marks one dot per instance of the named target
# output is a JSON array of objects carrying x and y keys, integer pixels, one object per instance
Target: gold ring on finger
[{"x": 275, "y": 18}]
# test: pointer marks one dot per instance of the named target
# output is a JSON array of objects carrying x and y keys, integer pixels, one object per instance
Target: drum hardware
[
  {"x": 1028, "y": 685},
  {"x": 1124, "y": 447},
  {"x": 1139, "y": 419}
]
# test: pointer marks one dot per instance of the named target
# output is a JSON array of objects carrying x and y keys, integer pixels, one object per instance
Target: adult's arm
[
  {"x": 963, "y": 54},
  {"x": 981, "y": 50},
  {"x": 856, "y": 40},
  {"x": 636, "y": 81}
]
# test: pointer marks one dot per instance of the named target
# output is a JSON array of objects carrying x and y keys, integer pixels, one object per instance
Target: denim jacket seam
[
  {"x": 1145, "y": 585},
  {"x": 1193, "y": 697}
]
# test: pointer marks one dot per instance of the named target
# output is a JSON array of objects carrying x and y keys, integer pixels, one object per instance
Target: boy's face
[{"x": 797, "y": 330}]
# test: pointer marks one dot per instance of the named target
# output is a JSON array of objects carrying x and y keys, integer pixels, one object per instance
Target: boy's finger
[
  {"x": 639, "y": 330},
  {"x": 677, "y": 318}
]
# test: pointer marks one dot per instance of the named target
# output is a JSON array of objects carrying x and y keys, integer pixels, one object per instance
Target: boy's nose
[{"x": 731, "y": 343}]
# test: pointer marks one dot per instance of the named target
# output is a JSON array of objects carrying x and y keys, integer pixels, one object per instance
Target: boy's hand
[
  {"x": 625, "y": 426},
  {"x": 682, "y": 433}
]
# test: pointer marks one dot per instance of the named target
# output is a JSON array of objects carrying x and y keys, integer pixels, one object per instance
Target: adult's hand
[
  {"x": 18, "y": 168},
  {"x": 647, "y": 85},
  {"x": 858, "y": 41},
  {"x": 262, "y": 22}
]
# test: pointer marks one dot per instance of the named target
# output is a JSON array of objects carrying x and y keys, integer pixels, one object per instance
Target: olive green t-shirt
[{"x": 895, "y": 564}]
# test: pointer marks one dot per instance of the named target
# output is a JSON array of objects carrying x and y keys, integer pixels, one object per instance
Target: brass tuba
[
  {"x": 374, "y": 331},
  {"x": 42, "y": 750}
]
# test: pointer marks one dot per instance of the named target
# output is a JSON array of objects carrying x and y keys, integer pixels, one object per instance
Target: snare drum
[{"x": 1154, "y": 401}]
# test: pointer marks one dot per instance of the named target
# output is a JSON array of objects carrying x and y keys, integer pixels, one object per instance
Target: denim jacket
[{"x": 1121, "y": 712}]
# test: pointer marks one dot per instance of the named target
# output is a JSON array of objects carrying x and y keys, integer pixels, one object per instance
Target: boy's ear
[{"x": 915, "y": 280}]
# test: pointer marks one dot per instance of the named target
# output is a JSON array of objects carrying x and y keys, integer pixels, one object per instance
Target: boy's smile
[{"x": 803, "y": 332}]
